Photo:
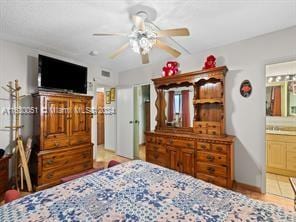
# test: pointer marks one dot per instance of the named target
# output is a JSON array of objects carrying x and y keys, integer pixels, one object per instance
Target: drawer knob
[
  {"x": 49, "y": 162},
  {"x": 189, "y": 144},
  {"x": 214, "y": 132},
  {"x": 49, "y": 175},
  {"x": 210, "y": 158},
  {"x": 56, "y": 144},
  {"x": 211, "y": 169},
  {"x": 219, "y": 148}
]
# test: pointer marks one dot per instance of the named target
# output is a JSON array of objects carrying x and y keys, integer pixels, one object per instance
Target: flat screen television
[{"x": 60, "y": 75}]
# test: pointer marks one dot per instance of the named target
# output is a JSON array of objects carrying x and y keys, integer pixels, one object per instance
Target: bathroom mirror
[{"x": 281, "y": 90}]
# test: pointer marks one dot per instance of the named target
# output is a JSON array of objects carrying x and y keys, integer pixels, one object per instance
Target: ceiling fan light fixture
[{"x": 142, "y": 42}]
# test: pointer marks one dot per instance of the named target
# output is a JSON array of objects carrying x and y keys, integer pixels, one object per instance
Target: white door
[{"x": 125, "y": 122}]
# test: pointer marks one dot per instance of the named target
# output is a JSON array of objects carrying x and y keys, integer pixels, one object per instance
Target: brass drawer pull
[
  {"x": 211, "y": 169},
  {"x": 210, "y": 158},
  {"x": 214, "y": 133},
  {"x": 203, "y": 146},
  {"x": 56, "y": 144},
  {"x": 189, "y": 144},
  {"x": 49, "y": 175},
  {"x": 219, "y": 148},
  {"x": 49, "y": 162}
]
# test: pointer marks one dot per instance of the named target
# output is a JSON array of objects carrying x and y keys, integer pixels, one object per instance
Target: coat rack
[{"x": 19, "y": 152}]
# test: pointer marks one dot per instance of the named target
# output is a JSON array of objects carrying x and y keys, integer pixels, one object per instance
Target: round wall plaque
[{"x": 246, "y": 88}]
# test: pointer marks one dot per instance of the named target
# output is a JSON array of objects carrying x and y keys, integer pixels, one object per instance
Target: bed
[{"x": 140, "y": 191}]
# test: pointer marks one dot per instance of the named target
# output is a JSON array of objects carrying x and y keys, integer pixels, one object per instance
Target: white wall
[
  {"x": 19, "y": 62},
  {"x": 110, "y": 125},
  {"x": 245, "y": 117}
]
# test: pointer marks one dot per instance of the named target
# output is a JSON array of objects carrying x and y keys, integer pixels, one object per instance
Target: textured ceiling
[{"x": 66, "y": 27}]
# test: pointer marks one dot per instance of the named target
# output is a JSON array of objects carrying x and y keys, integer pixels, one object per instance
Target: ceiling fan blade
[
  {"x": 109, "y": 34},
  {"x": 145, "y": 58},
  {"x": 173, "y": 32},
  {"x": 139, "y": 22},
  {"x": 119, "y": 50},
  {"x": 161, "y": 45}
]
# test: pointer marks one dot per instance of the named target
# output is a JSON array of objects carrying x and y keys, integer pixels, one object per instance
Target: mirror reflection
[
  {"x": 179, "y": 108},
  {"x": 281, "y": 96}
]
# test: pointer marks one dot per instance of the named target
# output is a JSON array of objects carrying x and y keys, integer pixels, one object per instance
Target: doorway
[
  {"x": 141, "y": 119},
  {"x": 280, "y": 128},
  {"x": 100, "y": 119}
]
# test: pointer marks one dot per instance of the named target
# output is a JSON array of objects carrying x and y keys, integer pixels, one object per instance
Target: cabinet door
[
  {"x": 173, "y": 158},
  {"x": 276, "y": 154},
  {"x": 55, "y": 114},
  {"x": 187, "y": 161},
  {"x": 80, "y": 121}
]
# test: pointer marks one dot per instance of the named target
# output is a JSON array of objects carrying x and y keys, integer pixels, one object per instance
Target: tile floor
[{"x": 279, "y": 185}]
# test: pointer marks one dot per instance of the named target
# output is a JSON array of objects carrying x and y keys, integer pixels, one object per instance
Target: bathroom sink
[{"x": 281, "y": 130}]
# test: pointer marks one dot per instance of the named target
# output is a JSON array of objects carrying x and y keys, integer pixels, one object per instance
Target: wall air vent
[{"x": 106, "y": 73}]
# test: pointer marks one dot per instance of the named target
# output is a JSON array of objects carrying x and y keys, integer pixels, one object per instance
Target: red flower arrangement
[{"x": 171, "y": 68}]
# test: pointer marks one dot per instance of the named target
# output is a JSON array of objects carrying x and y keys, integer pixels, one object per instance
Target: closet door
[
  {"x": 55, "y": 122},
  {"x": 80, "y": 121}
]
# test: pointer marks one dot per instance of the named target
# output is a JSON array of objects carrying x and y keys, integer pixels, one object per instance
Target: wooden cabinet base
[{"x": 208, "y": 158}]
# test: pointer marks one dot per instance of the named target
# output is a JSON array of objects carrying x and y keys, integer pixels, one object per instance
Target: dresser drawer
[
  {"x": 181, "y": 143},
  {"x": 58, "y": 173},
  {"x": 200, "y": 130},
  {"x": 62, "y": 159},
  {"x": 77, "y": 140},
  {"x": 214, "y": 131},
  {"x": 220, "y": 181},
  {"x": 291, "y": 147},
  {"x": 219, "y": 148},
  {"x": 150, "y": 139},
  {"x": 55, "y": 143},
  {"x": 211, "y": 169},
  {"x": 203, "y": 146},
  {"x": 211, "y": 158},
  {"x": 291, "y": 161}
]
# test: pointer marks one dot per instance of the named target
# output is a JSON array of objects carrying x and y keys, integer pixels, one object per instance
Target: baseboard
[{"x": 247, "y": 187}]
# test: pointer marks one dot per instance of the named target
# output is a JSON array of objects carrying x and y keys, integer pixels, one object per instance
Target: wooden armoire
[
  {"x": 62, "y": 135},
  {"x": 196, "y": 144}
]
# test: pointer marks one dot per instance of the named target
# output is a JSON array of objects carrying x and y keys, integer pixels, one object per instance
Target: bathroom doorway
[{"x": 280, "y": 128}]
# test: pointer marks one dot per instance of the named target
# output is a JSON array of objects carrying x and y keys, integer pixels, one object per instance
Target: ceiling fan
[{"x": 144, "y": 37}]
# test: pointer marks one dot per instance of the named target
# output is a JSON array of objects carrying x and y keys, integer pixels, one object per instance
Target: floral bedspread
[{"x": 140, "y": 191}]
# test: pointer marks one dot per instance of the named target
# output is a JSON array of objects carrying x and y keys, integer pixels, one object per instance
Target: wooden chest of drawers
[
  {"x": 206, "y": 158},
  {"x": 4, "y": 163},
  {"x": 62, "y": 132}
]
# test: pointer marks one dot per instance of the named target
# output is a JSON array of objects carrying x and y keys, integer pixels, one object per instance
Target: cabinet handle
[
  {"x": 49, "y": 175},
  {"x": 56, "y": 144},
  {"x": 211, "y": 169},
  {"x": 219, "y": 148},
  {"x": 210, "y": 158},
  {"x": 214, "y": 132},
  {"x": 49, "y": 162},
  {"x": 189, "y": 144}
]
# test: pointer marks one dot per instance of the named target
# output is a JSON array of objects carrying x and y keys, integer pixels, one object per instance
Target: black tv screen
[{"x": 61, "y": 75}]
